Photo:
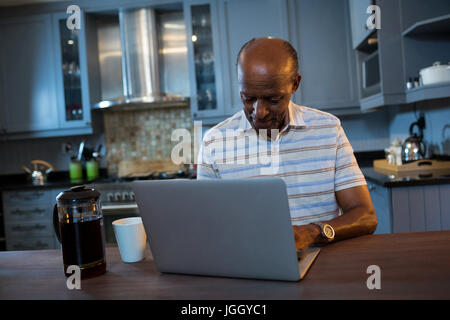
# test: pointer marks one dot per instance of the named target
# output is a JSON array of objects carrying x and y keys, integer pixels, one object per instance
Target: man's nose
[{"x": 261, "y": 110}]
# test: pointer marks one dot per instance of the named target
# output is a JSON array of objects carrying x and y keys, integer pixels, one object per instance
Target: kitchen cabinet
[
  {"x": 425, "y": 34},
  {"x": 35, "y": 89},
  {"x": 327, "y": 64},
  {"x": 381, "y": 201},
  {"x": 204, "y": 56},
  {"x": 28, "y": 84},
  {"x": 412, "y": 208},
  {"x": 72, "y": 75},
  {"x": 379, "y": 61},
  {"x": 358, "y": 18},
  {"x": 28, "y": 219},
  {"x": 243, "y": 20}
]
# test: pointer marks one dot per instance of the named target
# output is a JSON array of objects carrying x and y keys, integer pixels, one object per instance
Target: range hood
[{"x": 139, "y": 57}]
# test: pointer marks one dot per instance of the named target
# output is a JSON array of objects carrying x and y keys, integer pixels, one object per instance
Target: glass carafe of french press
[{"x": 78, "y": 223}]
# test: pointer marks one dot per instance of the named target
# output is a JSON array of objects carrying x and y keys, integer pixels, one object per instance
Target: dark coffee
[{"x": 82, "y": 245}]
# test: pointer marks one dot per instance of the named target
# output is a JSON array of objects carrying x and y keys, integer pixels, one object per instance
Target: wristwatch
[{"x": 327, "y": 230}]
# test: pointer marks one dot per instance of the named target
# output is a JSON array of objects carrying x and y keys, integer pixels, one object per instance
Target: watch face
[{"x": 329, "y": 232}]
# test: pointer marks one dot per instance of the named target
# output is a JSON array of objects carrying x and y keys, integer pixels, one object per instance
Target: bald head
[
  {"x": 271, "y": 52},
  {"x": 267, "y": 75}
]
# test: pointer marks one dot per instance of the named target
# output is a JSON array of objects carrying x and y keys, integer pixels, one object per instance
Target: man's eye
[
  {"x": 248, "y": 100},
  {"x": 275, "y": 100}
]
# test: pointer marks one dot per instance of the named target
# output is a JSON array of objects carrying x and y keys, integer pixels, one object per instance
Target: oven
[{"x": 117, "y": 202}]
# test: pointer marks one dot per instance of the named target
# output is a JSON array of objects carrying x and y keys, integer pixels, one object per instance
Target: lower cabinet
[
  {"x": 28, "y": 220},
  {"x": 411, "y": 208}
]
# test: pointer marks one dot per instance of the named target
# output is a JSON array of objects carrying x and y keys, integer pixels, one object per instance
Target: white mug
[{"x": 131, "y": 238}]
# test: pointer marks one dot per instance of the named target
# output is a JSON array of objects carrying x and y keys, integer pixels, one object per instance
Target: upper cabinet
[
  {"x": 43, "y": 91},
  {"x": 358, "y": 18},
  {"x": 426, "y": 40},
  {"x": 204, "y": 55},
  {"x": 28, "y": 86},
  {"x": 73, "y": 89},
  {"x": 327, "y": 64},
  {"x": 413, "y": 35},
  {"x": 243, "y": 20}
]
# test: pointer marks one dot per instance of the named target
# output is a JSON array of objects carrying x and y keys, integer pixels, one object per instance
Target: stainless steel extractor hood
[{"x": 139, "y": 56}]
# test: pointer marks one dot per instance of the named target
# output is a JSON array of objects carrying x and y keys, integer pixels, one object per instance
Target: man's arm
[{"x": 358, "y": 218}]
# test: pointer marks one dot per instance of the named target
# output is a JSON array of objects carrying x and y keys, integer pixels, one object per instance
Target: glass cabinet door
[
  {"x": 71, "y": 72},
  {"x": 203, "y": 54},
  {"x": 74, "y": 109}
]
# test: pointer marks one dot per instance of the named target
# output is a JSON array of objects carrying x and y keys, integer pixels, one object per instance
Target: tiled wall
[{"x": 142, "y": 134}]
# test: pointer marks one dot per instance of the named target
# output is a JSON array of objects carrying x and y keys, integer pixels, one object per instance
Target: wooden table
[{"x": 413, "y": 265}]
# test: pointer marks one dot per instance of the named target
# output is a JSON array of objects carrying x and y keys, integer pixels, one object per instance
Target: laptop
[{"x": 225, "y": 228}]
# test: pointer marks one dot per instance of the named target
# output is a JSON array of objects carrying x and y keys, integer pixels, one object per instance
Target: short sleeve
[
  {"x": 205, "y": 164},
  {"x": 347, "y": 172}
]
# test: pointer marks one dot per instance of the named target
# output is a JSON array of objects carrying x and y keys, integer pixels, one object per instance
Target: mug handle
[{"x": 56, "y": 222}]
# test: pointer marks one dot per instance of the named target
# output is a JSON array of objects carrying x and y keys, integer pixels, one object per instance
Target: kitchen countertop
[
  {"x": 413, "y": 266},
  {"x": 392, "y": 182}
]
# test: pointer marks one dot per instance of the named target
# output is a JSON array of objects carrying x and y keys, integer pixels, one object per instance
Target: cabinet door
[
  {"x": 358, "y": 17},
  {"x": 28, "y": 74},
  {"x": 204, "y": 55},
  {"x": 242, "y": 21},
  {"x": 72, "y": 76},
  {"x": 381, "y": 203},
  {"x": 327, "y": 63}
]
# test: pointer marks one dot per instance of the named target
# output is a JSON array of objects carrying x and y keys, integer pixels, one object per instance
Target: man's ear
[{"x": 296, "y": 82}]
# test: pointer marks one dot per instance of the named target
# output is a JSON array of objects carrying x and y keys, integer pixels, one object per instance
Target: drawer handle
[
  {"x": 28, "y": 228},
  {"x": 20, "y": 212},
  {"x": 372, "y": 187}
]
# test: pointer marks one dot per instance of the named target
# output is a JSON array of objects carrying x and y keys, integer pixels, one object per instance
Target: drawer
[
  {"x": 39, "y": 212},
  {"x": 23, "y": 198},
  {"x": 30, "y": 244},
  {"x": 23, "y": 230}
]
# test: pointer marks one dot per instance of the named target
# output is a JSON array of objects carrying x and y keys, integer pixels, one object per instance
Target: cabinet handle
[
  {"x": 28, "y": 228},
  {"x": 19, "y": 212},
  {"x": 372, "y": 187}
]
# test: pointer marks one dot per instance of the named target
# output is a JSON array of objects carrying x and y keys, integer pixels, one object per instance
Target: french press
[{"x": 78, "y": 224}]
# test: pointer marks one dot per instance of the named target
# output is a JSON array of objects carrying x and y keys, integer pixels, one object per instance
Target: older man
[{"x": 328, "y": 196}]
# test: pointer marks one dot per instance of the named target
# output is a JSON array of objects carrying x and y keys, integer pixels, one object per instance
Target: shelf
[
  {"x": 438, "y": 27},
  {"x": 379, "y": 100},
  {"x": 430, "y": 92}
]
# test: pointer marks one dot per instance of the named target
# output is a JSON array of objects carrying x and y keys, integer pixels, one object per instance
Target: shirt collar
[{"x": 295, "y": 118}]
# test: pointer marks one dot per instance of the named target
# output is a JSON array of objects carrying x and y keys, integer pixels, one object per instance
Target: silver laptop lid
[{"x": 231, "y": 228}]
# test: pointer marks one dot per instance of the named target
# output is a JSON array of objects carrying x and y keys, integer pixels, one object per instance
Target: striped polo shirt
[{"x": 311, "y": 154}]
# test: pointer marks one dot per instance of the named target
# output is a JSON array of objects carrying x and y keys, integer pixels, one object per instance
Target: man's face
[
  {"x": 266, "y": 83},
  {"x": 266, "y": 101}
]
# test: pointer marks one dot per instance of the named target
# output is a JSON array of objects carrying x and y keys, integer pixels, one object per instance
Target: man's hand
[{"x": 306, "y": 235}]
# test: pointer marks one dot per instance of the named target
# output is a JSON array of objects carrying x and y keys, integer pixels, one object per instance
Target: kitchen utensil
[
  {"x": 78, "y": 224},
  {"x": 437, "y": 73},
  {"x": 131, "y": 238},
  {"x": 92, "y": 169},
  {"x": 75, "y": 171},
  {"x": 413, "y": 147},
  {"x": 40, "y": 171},
  {"x": 80, "y": 150}
]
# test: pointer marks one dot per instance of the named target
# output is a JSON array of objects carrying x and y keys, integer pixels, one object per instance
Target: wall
[
  {"x": 437, "y": 117},
  {"x": 143, "y": 134},
  {"x": 15, "y": 153}
]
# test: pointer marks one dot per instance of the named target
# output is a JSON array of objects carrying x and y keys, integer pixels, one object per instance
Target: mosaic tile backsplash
[{"x": 142, "y": 134}]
